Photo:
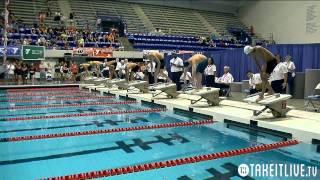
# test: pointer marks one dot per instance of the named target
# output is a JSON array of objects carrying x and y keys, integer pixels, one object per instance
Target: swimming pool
[{"x": 50, "y": 142}]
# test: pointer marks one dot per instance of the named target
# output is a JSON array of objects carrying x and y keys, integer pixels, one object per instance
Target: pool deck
[{"x": 303, "y": 125}]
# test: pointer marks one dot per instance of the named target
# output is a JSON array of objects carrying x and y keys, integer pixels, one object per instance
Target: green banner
[{"x": 33, "y": 52}]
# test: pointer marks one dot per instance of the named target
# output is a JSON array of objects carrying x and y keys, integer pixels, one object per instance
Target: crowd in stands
[{"x": 62, "y": 36}]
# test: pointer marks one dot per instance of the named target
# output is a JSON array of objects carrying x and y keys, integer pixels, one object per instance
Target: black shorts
[
  {"x": 135, "y": 69},
  {"x": 271, "y": 65},
  {"x": 19, "y": 72},
  {"x": 162, "y": 64},
  {"x": 202, "y": 66}
]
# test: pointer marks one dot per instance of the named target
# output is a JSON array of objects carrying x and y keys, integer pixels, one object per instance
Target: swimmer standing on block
[
  {"x": 159, "y": 60},
  {"x": 130, "y": 69},
  {"x": 266, "y": 62},
  {"x": 111, "y": 65},
  {"x": 198, "y": 63}
]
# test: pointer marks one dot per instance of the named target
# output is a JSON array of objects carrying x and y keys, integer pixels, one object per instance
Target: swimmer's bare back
[
  {"x": 109, "y": 63},
  {"x": 196, "y": 59},
  {"x": 262, "y": 53},
  {"x": 155, "y": 55},
  {"x": 131, "y": 65}
]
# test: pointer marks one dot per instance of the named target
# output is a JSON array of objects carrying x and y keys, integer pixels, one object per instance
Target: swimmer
[
  {"x": 198, "y": 63},
  {"x": 160, "y": 65},
  {"x": 265, "y": 62},
  {"x": 130, "y": 69},
  {"x": 111, "y": 65}
]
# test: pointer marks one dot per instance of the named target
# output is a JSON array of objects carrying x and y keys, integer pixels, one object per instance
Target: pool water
[{"x": 43, "y": 158}]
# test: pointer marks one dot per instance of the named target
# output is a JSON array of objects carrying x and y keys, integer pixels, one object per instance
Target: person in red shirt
[{"x": 74, "y": 71}]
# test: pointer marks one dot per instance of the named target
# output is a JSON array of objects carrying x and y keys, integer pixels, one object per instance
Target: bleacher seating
[
  {"x": 168, "y": 42},
  {"x": 173, "y": 20},
  {"x": 27, "y": 11},
  {"x": 87, "y": 13}
]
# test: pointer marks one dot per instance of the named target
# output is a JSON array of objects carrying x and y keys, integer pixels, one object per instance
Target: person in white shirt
[
  {"x": 291, "y": 73},
  {"x": 210, "y": 72},
  {"x": 10, "y": 71},
  {"x": 151, "y": 69},
  {"x": 176, "y": 69},
  {"x": 42, "y": 68},
  {"x": 118, "y": 65},
  {"x": 121, "y": 68},
  {"x": 279, "y": 77},
  {"x": 224, "y": 81},
  {"x": 254, "y": 82}
]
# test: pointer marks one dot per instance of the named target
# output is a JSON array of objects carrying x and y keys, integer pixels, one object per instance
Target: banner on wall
[
  {"x": 11, "y": 51},
  {"x": 93, "y": 52},
  {"x": 33, "y": 52}
]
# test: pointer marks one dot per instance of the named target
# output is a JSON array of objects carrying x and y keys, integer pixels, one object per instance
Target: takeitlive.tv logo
[{"x": 278, "y": 170}]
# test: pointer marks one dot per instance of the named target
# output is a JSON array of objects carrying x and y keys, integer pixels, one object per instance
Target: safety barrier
[
  {"x": 85, "y": 114},
  {"x": 60, "y": 99},
  {"x": 175, "y": 162},
  {"x": 107, "y": 131},
  {"x": 70, "y": 105},
  {"x": 42, "y": 89}
]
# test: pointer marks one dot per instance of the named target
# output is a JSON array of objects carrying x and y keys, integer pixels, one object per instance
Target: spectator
[
  {"x": 25, "y": 41},
  {"x": 254, "y": 82},
  {"x": 151, "y": 68},
  {"x": 81, "y": 42},
  {"x": 42, "y": 68},
  {"x": 291, "y": 73},
  {"x": 32, "y": 71},
  {"x": 279, "y": 77},
  {"x": 122, "y": 69},
  {"x": 18, "y": 72},
  {"x": 24, "y": 73},
  {"x": 57, "y": 72},
  {"x": 49, "y": 71},
  {"x": 10, "y": 70},
  {"x": 176, "y": 64},
  {"x": 64, "y": 72},
  {"x": 74, "y": 71},
  {"x": 224, "y": 81},
  {"x": 210, "y": 72}
]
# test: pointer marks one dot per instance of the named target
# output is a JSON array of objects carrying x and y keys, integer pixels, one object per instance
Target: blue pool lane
[{"x": 72, "y": 155}]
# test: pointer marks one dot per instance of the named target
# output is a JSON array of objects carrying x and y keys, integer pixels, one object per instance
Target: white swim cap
[{"x": 247, "y": 49}]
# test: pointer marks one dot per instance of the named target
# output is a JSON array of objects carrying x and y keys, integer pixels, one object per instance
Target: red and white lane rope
[
  {"x": 74, "y": 95},
  {"x": 42, "y": 89},
  {"x": 174, "y": 162},
  {"x": 39, "y": 93},
  {"x": 72, "y": 105},
  {"x": 85, "y": 114},
  {"x": 60, "y": 99},
  {"x": 107, "y": 131}
]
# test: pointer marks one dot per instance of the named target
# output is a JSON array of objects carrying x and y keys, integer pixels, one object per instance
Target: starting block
[
  {"x": 277, "y": 103},
  {"x": 168, "y": 88},
  {"x": 142, "y": 86},
  {"x": 209, "y": 94},
  {"x": 99, "y": 81},
  {"x": 113, "y": 82}
]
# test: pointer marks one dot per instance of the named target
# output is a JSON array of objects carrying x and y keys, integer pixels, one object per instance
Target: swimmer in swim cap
[{"x": 265, "y": 62}]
